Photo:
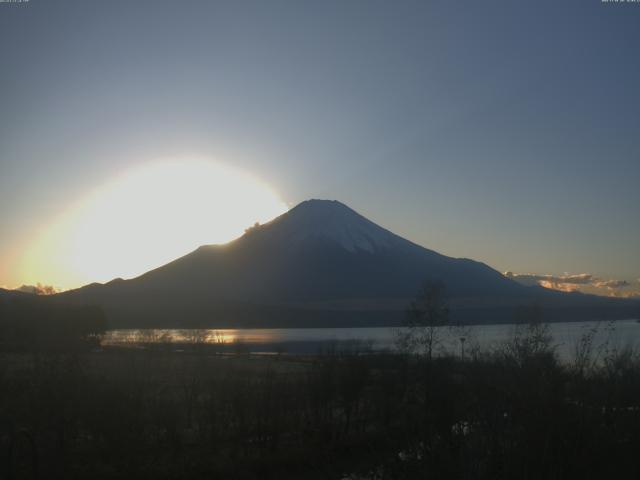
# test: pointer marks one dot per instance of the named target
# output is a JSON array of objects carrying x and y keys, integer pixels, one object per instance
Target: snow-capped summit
[{"x": 328, "y": 222}]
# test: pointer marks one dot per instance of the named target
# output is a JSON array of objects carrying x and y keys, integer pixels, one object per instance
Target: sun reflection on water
[{"x": 187, "y": 336}]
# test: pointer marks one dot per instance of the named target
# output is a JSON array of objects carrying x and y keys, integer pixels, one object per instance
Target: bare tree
[
  {"x": 197, "y": 338},
  {"x": 532, "y": 337},
  {"x": 427, "y": 313}
]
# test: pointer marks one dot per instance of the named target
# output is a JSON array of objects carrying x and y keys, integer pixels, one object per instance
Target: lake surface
[{"x": 612, "y": 335}]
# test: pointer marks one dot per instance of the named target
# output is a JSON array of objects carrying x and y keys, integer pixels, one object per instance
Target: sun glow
[{"x": 147, "y": 217}]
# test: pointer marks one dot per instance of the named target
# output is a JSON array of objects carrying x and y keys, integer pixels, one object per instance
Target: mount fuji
[{"x": 319, "y": 264}]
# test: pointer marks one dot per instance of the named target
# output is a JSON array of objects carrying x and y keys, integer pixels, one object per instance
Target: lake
[{"x": 618, "y": 334}]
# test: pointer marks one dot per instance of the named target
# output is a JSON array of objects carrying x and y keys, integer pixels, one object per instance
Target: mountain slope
[{"x": 320, "y": 263}]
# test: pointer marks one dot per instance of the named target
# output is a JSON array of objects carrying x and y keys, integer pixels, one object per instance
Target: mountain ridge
[{"x": 319, "y": 264}]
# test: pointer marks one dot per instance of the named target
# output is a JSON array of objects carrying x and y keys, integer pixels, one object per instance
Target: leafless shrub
[{"x": 426, "y": 315}]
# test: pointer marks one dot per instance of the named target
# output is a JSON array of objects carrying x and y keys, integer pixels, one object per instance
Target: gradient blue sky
[{"x": 503, "y": 131}]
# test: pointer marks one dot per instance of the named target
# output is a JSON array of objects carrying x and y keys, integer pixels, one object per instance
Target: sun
[{"x": 146, "y": 217}]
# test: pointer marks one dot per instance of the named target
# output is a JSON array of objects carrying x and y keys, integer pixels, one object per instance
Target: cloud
[
  {"x": 613, "y": 284},
  {"x": 38, "y": 289},
  {"x": 584, "y": 282},
  {"x": 535, "y": 279},
  {"x": 562, "y": 286}
]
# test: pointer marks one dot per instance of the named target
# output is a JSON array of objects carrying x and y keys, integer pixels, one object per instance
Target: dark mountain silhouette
[
  {"x": 9, "y": 294},
  {"x": 321, "y": 263}
]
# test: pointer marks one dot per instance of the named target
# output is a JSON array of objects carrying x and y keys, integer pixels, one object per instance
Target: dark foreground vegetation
[
  {"x": 71, "y": 408},
  {"x": 31, "y": 323},
  {"x": 515, "y": 413}
]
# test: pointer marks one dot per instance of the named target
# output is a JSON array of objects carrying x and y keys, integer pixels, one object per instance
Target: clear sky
[{"x": 503, "y": 131}]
